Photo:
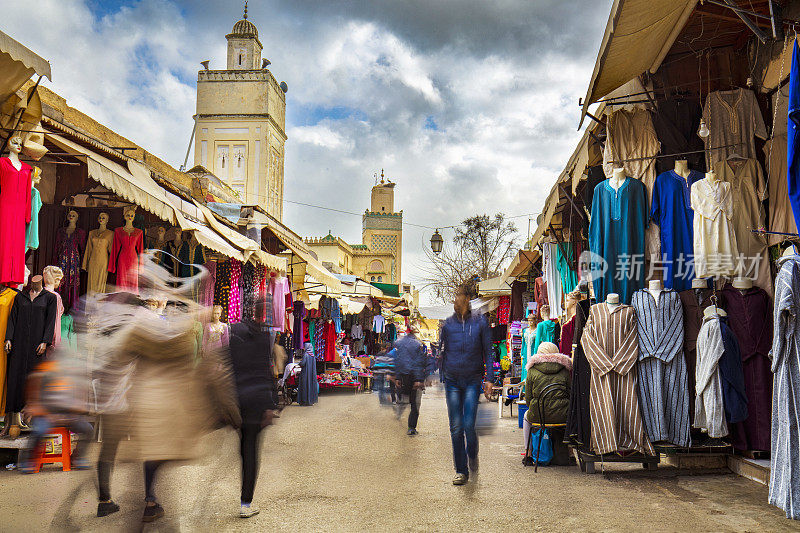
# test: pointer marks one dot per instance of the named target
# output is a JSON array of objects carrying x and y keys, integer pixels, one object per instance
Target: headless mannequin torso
[
  {"x": 655, "y": 287},
  {"x": 612, "y": 301},
  {"x": 617, "y": 179}
]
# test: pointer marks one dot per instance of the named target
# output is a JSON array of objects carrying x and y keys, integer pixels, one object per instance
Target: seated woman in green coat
[{"x": 546, "y": 367}]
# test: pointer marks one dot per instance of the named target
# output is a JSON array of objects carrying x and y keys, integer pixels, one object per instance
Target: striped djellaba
[
  {"x": 663, "y": 380},
  {"x": 611, "y": 347},
  {"x": 784, "y": 477}
]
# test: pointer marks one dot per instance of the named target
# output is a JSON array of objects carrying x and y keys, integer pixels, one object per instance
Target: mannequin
[
  {"x": 547, "y": 330},
  {"x": 70, "y": 244},
  {"x": 124, "y": 260},
  {"x": 528, "y": 338},
  {"x": 617, "y": 178},
  {"x": 7, "y": 295},
  {"x": 715, "y": 243},
  {"x": 98, "y": 250},
  {"x": 29, "y": 331},
  {"x": 654, "y": 287},
  {"x": 190, "y": 253},
  {"x": 712, "y": 311},
  {"x": 170, "y": 260},
  {"x": 32, "y": 229},
  {"x": 612, "y": 301},
  {"x": 742, "y": 284},
  {"x": 15, "y": 213},
  {"x": 682, "y": 168},
  {"x": 52, "y": 279},
  {"x": 217, "y": 333}
]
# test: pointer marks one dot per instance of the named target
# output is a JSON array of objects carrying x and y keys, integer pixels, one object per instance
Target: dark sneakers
[
  {"x": 152, "y": 512},
  {"x": 411, "y": 432},
  {"x": 106, "y": 508},
  {"x": 460, "y": 479}
]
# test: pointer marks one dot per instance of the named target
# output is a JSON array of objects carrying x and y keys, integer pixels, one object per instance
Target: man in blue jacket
[
  {"x": 466, "y": 361},
  {"x": 410, "y": 366}
]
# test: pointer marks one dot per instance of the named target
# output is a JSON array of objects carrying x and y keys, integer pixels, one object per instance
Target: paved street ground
[{"x": 347, "y": 465}]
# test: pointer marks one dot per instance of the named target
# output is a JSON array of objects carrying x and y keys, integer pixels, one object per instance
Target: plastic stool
[{"x": 39, "y": 457}]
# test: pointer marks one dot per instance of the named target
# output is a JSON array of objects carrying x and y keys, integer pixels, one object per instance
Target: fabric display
[
  {"x": 734, "y": 120},
  {"x": 504, "y": 309},
  {"x": 222, "y": 288},
  {"x": 69, "y": 250},
  {"x": 124, "y": 260},
  {"x": 565, "y": 259},
  {"x": 235, "y": 299},
  {"x": 552, "y": 277},
  {"x": 15, "y": 214},
  {"x": 249, "y": 291}
]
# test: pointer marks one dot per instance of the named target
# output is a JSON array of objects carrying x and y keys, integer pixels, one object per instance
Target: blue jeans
[{"x": 462, "y": 407}]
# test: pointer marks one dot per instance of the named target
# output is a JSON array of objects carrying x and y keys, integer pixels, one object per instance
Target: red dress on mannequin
[
  {"x": 124, "y": 258},
  {"x": 15, "y": 214}
]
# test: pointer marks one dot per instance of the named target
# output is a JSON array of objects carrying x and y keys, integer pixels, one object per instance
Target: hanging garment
[
  {"x": 694, "y": 302},
  {"x": 552, "y": 278},
  {"x": 579, "y": 425},
  {"x": 671, "y": 209},
  {"x": 517, "y": 300},
  {"x": 503, "y": 309},
  {"x": 546, "y": 331},
  {"x": 235, "y": 301},
  {"x": 56, "y": 340},
  {"x": 124, "y": 260},
  {"x": 632, "y": 144},
  {"x": 207, "y": 285},
  {"x": 95, "y": 260},
  {"x": 663, "y": 383},
  {"x": 750, "y": 319},
  {"x": 616, "y": 234},
  {"x": 69, "y": 249},
  {"x": 278, "y": 287},
  {"x": 68, "y": 336},
  {"x": 721, "y": 398},
  {"x": 748, "y": 191},
  {"x": 299, "y": 313},
  {"x": 222, "y": 287},
  {"x": 610, "y": 344},
  {"x": 171, "y": 258},
  {"x": 565, "y": 339},
  {"x": 780, "y": 208},
  {"x": 15, "y": 213},
  {"x": 216, "y": 336},
  {"x": 528, "y": 338},
  {"x": 565, "y": 258},
  {"x": 378, "y": 324},
  {"x": 190, "y": 253},
  {"x": 7, "y": 295},
  {"x": 793, "y": 137},
  {"x": 784, "y": 476},
  {"x": 329, "y": 334},
  {"x": 676, "y": 122},
  {"x": 30, "y": 324},
  {"x": 715, "y": 249},
  {"x": 540, "y": 292},
  {"x": 32, "y": 229},
  {"x": 308, "y": 386},
  {"x": 732, "y": 118},
  {"x": 248, "y": 291}
]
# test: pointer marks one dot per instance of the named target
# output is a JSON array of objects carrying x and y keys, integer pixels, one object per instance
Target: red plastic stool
[{"x": 39, "y": 457}]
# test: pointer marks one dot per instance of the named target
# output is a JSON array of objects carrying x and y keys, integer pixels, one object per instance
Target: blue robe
[
  {"x": 308, "y": 386},
  {"x": 569, "y": 279},
  {"x": 545, "y": 332},
  {"x": 793, "y": 135},
  {"x": 616, "y": 234},
  {"x": 734, "y": 396},
  {"x": 671, "y": 210}
]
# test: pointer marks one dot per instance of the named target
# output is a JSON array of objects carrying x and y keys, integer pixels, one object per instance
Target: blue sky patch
[
  {"x": 430, "y": 124},
  {"x": 310, "y": 115}
]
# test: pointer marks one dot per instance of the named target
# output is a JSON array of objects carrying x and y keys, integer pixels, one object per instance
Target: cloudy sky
[{"x": 469, "y": 105}]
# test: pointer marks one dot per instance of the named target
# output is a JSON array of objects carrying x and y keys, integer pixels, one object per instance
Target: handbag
[{"x": 545, "y": 447}]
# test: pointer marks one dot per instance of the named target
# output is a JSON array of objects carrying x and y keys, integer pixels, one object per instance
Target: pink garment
[
  {"x": 15, "y": 214},
  {"x": 216, "y": 337},
  {"x": 278, "y": 288},
  {"x": 235, "y": 301},
  {"x": 261, "y": 283},
  {"x": 124, "y": 260},
  {"x": 59, "y": 314}
]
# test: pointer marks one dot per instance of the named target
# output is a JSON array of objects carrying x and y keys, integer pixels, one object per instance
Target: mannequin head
[
  {"x": 129, "y": 214},
  {"x": 52, "y": 276},
  {"x": 544, "y": 312},
  {"x": 160, "y": 233},
  {"x": 15, "y": 144},
  {"x": 36, "y": 283},
  {"x": 89, "y": 201},
  {"x": 532, "y": 319},
  {"x": 36, "y": 177},
  {"x": 177, "y": 236},
  {"x": 102, "y": 219},
  {"x": 216, "y": 313},
  {"x": 72, "y": 217}
]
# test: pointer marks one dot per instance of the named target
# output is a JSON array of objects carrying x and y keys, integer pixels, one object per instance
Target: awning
[
  {"x": 17, "y": 65},
  {"x": 638, "y": 36},
  {"x": 495, "y": 286},
  {"x": 133, "y": 183},
  {"x": 521, "y": 263},
  {"x": 248, "y": 246},
  {"x": 388, "y": 289},
  {"x": 355, "y": 286}
]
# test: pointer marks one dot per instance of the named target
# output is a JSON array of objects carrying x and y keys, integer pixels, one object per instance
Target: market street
[{"x": 347, "y": 465}]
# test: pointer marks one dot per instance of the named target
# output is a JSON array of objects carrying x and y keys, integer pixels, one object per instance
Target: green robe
[
  {"x": 564, "y": 260},
  {"x": 32, "y": 229},
  {"x": 545, "y": 332}
]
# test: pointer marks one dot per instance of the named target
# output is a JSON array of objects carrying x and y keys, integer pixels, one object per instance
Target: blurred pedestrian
[
  {"x": 251, "y": 360},
  {"x": 410, "y": 371},
  {"x": 308, "y": 387},
  {"x": 466, "y": 345}
]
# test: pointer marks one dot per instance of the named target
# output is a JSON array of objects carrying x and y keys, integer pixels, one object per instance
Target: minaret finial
[
  {"x": 381, "y": 175},
  {"x": 245, "y": 9}
]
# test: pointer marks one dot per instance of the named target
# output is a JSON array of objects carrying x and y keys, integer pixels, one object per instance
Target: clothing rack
[{"x": 677, "y": 153}]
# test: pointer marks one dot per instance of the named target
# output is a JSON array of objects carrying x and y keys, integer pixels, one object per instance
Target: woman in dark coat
[
  {"x": 544, "y": 369},
  {"x": 251, "y": 360}
]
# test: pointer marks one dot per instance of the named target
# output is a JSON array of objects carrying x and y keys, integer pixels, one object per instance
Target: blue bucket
[{"x": 522, "y": 408}]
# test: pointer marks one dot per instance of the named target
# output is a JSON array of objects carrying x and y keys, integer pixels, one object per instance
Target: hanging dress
[
  {"x": 95, "y": 260},
  {"x": 124, "y": 260},
  {"x": 69, "y": 249},
  {"x": 15, "y": 213},
  {"x": 7, "y": 295},
  {"x": 579, "y": 423},
  {"x": 32, "y": 229},
  {"x": 715, "y": 248}
]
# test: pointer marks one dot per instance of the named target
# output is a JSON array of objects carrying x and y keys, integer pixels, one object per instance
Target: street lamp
[{"x": 436, "y": 242}]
